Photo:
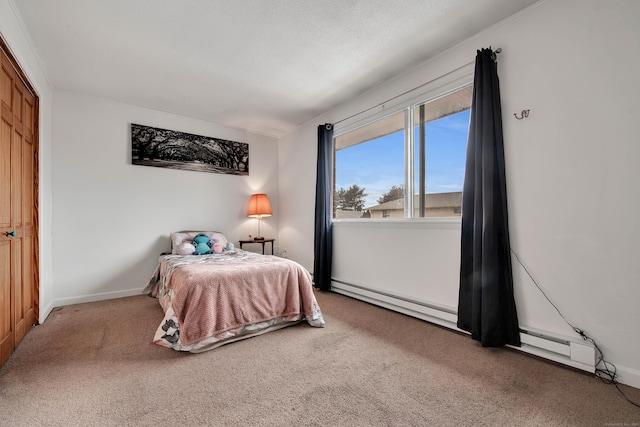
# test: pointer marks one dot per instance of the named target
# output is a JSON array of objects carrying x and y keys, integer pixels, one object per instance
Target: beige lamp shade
[{"x": 259, "y": 206}]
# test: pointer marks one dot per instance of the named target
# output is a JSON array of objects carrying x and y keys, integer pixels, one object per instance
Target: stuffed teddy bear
[
  {"x": 185, "y": 248},
  {"x": 202, "y": 245},
  {"x": 216, "y": 246}
]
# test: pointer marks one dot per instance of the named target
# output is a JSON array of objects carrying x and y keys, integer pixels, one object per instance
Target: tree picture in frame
[{"x": 151, "y": 146}]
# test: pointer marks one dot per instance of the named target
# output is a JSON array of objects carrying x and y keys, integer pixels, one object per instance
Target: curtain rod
[
  {"x": 402, "y": 94},
  {"x": 410, "y": 90}
]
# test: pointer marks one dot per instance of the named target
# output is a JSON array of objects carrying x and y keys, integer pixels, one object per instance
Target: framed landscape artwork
[{"x": 165, "y": 148}]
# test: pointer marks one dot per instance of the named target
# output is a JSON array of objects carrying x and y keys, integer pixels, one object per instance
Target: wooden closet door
[{"x": 18, "y": 237}]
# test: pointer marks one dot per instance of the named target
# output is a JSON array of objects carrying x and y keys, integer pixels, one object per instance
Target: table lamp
[{"x": 259, "y": 207}]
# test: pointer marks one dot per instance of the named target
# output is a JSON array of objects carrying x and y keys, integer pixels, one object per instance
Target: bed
[{"x": 226, "y": 295}]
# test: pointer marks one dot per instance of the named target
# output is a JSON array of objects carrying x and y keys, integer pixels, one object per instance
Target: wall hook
[{"x": 523, "y": 115}]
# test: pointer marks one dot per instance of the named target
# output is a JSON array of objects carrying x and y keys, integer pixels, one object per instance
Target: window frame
[{"x": 406, "y": 102}]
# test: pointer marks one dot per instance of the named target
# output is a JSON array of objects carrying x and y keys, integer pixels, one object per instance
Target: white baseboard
[
  {"x": 628, "y": 376},
  {"x": 45, "y": 312},
  {"x": 570, "y": 351},
  {"x": 60, "y": 302},
  {"x": 433, "y": 313}
]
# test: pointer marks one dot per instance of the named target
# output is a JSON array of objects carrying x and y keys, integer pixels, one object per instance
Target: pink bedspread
[
  {"x": 211, "y": 301},
  {"x": 215, "y": 297}
]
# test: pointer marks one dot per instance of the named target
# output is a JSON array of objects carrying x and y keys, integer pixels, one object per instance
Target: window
[{"x": 378, "y": 164}]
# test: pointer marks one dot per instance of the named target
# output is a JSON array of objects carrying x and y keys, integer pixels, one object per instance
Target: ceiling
[{"x": 266, "y": 66}]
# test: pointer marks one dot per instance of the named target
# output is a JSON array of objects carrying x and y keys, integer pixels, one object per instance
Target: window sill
[{"x": 398, "y": 223}]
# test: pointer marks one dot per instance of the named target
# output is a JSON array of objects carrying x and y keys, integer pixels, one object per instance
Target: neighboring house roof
[
  {"x": 438, "y": 200},
  {"x": 342, "y": 214},
  {"x": 393, "y": 204}
]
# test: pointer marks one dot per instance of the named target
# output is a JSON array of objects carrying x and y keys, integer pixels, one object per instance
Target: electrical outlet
[{"x": 283, "y": 254}]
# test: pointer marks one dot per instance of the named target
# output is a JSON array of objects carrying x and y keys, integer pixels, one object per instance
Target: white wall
[
  {"x": 571, "y": 177},
  {"x": 12, "y": 30},
  {"x": 112, "y": 219}
]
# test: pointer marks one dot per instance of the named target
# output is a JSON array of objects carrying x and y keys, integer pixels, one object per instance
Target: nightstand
[{"x": 262, "y": 241}]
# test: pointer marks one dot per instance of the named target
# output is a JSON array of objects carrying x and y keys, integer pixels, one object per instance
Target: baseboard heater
[{"x": 569, "y": 351}]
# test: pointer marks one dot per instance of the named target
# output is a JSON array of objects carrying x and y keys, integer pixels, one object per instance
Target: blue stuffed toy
[{"x": 202, "y": 244}]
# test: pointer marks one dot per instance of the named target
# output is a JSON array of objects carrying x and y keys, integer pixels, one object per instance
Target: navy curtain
[
  {"x": 324, "y": 194},
  {"x": 486, "y": 305}
]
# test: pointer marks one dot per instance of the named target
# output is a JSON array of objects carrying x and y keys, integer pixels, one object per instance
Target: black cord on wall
[{"x": 605, "y": 370}]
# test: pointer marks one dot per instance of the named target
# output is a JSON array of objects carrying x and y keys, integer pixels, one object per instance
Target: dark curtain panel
[
  {"x": 324, "y": 194},
  {"x": 486, "y": 306}
]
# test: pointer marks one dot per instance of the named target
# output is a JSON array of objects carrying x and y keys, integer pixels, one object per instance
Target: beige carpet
[{"x": 94, "y": 365}]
